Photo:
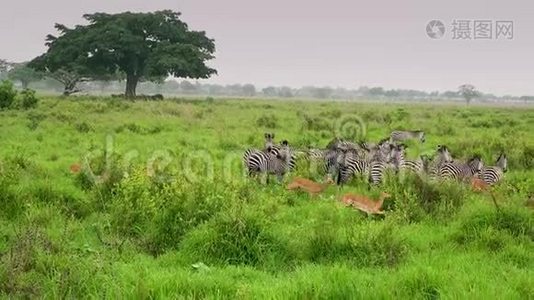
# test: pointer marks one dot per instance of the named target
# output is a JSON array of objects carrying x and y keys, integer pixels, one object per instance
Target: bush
[
  {"x": 83, "y": 127},
  {"x": 29, "y": 100},
  {"x": 7, "y": 94},
  {"x": 376, "y": 245},
  {"x": 236, "y": 239},
  {"x": 527, "y": 158},
  {"x": 491, "y": 229},
  {"x": 100, "y": 175},
  {"x": 268, "y": 121},
  {"x": 415, "y": 198}
]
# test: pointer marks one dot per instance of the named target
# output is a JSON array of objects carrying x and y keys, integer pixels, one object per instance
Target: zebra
[
  {"x": 493, "y": 174},
  {"x": 374, "y": 164},
  {"x": 269, "y": 141},
  {"x": 380, "y": 162},
  {"x": 400, "y": 135},
  {"x": 271, "y": 147},
  {"x": 416, "y": 166},
  {"x": 257, "y": 162},
  {"x": 432, "y": 166},
  {"x": 461, "y": 171}
]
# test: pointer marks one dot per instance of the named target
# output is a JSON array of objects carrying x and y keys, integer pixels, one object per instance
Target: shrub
[
  {"x": 29, "y": 100},
  {"x": 83, "y": 127},
  {"x": 527, "y": 157},
  {"x": 416, "y": 198},
  {"x": 268, "y": 121},
  {"x": 100, "y": 175},
  {"x": 7, "y": 94},
  {"x": 376, "y": 245},
  {"x": 34, "y": 119},
  {"x": 236, "y": 239},
  {"x": 490, "y": 228}
]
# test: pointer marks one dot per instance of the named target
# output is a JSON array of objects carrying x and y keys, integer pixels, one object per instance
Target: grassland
[{"x": 144, "y": 219}]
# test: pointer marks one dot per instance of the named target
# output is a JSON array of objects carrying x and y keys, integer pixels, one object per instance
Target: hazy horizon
[{"x": 336, "y": 43}]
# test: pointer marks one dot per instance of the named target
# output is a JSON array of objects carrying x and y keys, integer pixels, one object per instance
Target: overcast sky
[{"x": 336, "y": 43}]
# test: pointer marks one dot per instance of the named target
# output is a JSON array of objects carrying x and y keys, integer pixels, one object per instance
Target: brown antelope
[
  {"x": 364, "y": 203},
  {"x": 479, "y": 185},
  {"x": 311, "y": 187},
  {"x": 75, "y": 168}
]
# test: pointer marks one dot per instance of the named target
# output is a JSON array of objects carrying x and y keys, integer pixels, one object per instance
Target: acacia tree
[
  {"x": 26, "y": 75},
  {"x": 142, "y": 46},
  {"x": 65, "y": 60},
  {"x": 468, "y": 91}
]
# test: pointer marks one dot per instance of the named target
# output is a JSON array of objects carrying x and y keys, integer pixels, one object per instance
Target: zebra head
[
  {"x": 444, "y": 154},
  {"x": 284, "y": 153},
  {"x": 269, "y": 141},
  {"x": 475, "y": 164},
  {"x": 502, "y": 162}
]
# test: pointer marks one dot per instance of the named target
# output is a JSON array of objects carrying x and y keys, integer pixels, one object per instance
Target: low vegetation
[{"x": 102, "y": 198}]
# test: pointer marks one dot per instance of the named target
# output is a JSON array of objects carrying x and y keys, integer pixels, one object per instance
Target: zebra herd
[{"x": 342, "y": 160}]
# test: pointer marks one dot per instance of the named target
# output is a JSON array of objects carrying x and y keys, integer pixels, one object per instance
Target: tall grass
[{"x": 143, "y": 218}]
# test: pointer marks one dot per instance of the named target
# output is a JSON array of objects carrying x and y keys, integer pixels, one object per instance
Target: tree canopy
[
  {"x": 21, "y": 72},
  {"x": 468, "y": 91},
  {"x": 142, "y": 46}
]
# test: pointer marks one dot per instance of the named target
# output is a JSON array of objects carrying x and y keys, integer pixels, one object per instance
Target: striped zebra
[
  {"x": 328, "y": 161},
  {"x": 432, "y": 166},
  {"x": 493, "y": 174},
  {"x": 380, "y": 162},
  {"x": 373, "y": 165},
  {"x": 461, "y": 171},
  {"x": 261, "y": 162},
  {"x": 275, "y": 149},
  {"x": 402, "y": 135},
  {"x": 416, "y": 166}
]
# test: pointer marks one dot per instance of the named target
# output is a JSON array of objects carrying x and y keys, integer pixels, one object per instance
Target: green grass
[{"x": 162, "y": 190}]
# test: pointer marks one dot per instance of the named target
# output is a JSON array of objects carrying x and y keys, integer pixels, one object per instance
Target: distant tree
[
  {"x": 24, "y": 74},
  {"x": 322, "y": 92},
  {"x": 527, "y": 98},
  {"x": 249, "y": 90},
  {"x": 5, "y": 66},
  {"x": 468, "y": 92},
  {"x": 270, "y": 91},
  {"x": 450, "y": 94},
  {"x": 215, "y": 89},
  {"x": 187, "y": 87},
  {"x": 392, "y": 93},
  {"x": 143, "y": 46},
  {"x": 285, "y": 92},
  {"x": 376, "y": 91}
]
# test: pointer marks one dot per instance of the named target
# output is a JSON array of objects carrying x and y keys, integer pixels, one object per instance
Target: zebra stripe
[
  {"x": 461, "y": 171},
  {"x": 380, "y": 157},
  {"x": 443, "y": 156},
  {"x": 401, "y": 163},
  {"x": 257, "y": 161},
  {"x": 493, "y": 174}
]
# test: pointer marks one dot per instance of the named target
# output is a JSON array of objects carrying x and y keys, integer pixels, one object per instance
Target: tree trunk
[
  {"x": 131, "y": 85},
  {"x": 25, "y": 84}
]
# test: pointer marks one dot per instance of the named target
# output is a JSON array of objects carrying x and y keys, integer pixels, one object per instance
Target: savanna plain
[{"x": 106, "y": 198}]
